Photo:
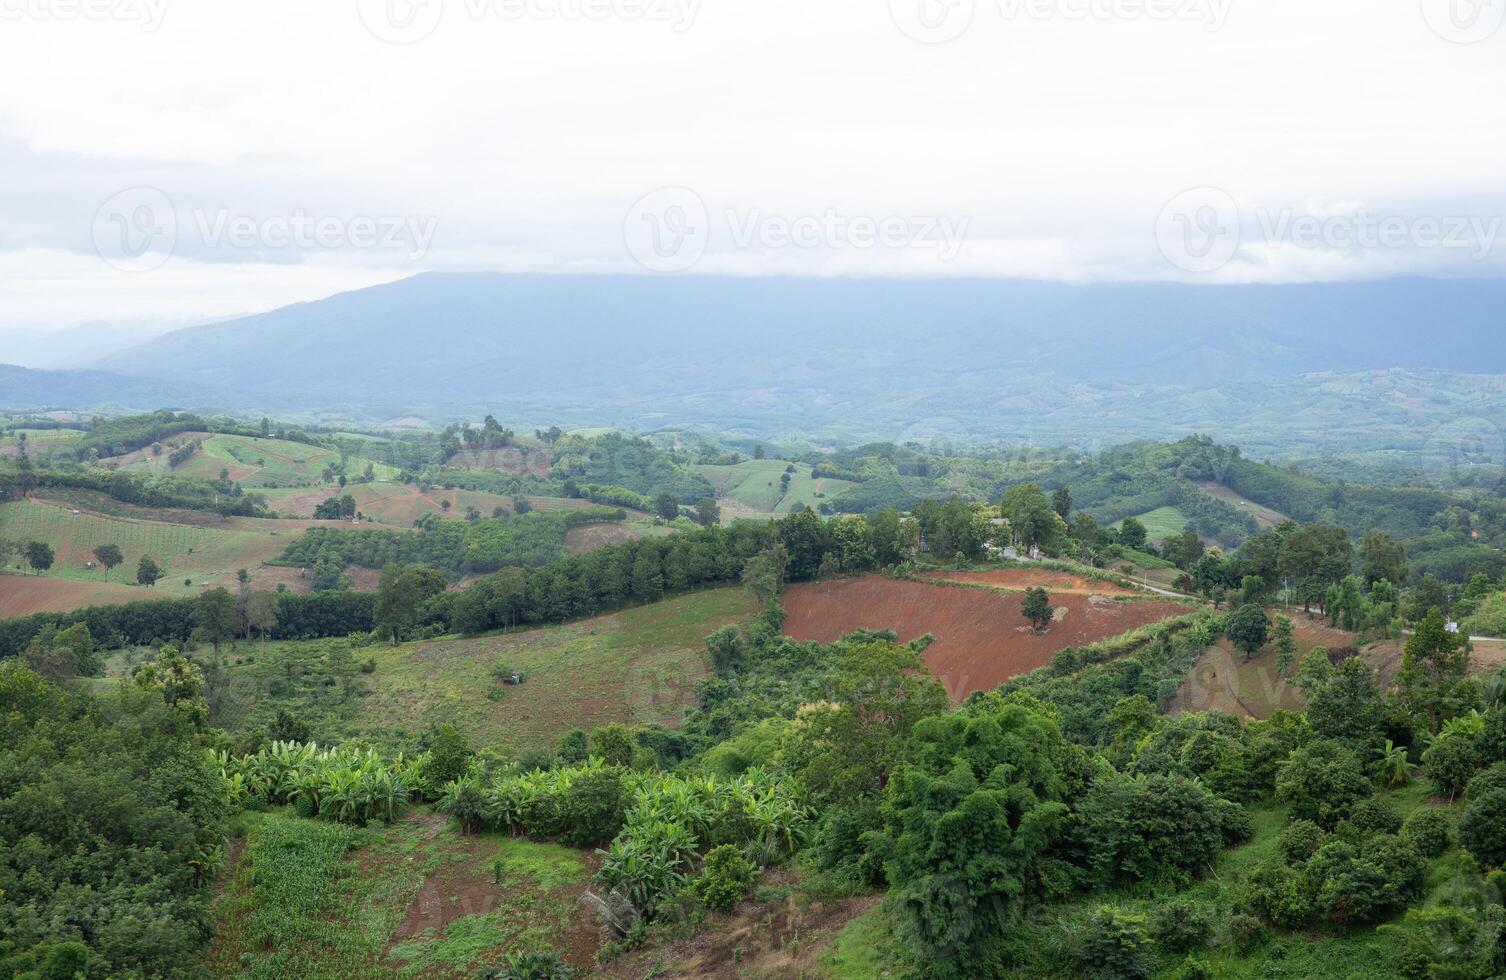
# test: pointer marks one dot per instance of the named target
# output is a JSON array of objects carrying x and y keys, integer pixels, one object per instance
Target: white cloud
[{"x": 1057, "y": 136}]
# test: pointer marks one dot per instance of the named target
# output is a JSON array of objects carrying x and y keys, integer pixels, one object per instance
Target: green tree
[
  {"x": 214, "y": 612},
  {"x": 1434, "y": 669},
  {"x": 666, "y": 506},
  {"x": 109, "y": 556},
  {"x": 1248, "y": 628},
  {"x": 1061, "y": 502},
  {"x": 39, "y": 556},
  {"x": 449, "y": 756},
  {"x": 1031, "y": 519},
  {"x": 1132, "y": 533},
  {"x": 401, "y": 593},
  {"x": 148, "y": 571},
  {"x": 1321, "y": 782},
  {"x": 1036, "y": 607},
  {"x": 1384, "y": 559},
  {"x": 1286, "y": 645},
  {"x": 261, "y": 613},
  {"x": 707, "y": 513}
]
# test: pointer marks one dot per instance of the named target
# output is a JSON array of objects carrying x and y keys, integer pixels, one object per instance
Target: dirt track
[{"x": 981, "y": 637}]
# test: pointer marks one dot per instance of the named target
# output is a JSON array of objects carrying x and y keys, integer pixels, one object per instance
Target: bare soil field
[
  {"x": 981, "y": 637},
  {"x": 1020, "y": 579},
  {"x": 22, "y": 595}
]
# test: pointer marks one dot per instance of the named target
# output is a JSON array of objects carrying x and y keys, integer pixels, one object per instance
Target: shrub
[
  {"x": 1482, "y": 828},
  {"x": 1321, "y": 782},
  {"x": 1364, "y": 882},
  {"x": 725, "y": 878},
  {"x": 1246, "y": 933},
  {"x": 1485, "y": 782},
  {"x": 533, "y": 964},
  {"x": 1300, "y": 841},
  {"x": 1429, "y": 831},
  {"x": 1148, "y": 827},
  {"x": 1182, "y": 926},
  {"x": 1450, "y": 762},
  {"x": 449, "y": 756},
  {"x": 1115, "y": 945},
  {"x": 1374, "y": 816},
  {"x": 1279, "y": 894},
  {"x": 593, "y": 808},
  {"x": 1193, "y": 968}
]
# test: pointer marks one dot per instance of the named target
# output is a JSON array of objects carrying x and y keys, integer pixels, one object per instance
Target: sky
[{"x": 165, "y": 162}]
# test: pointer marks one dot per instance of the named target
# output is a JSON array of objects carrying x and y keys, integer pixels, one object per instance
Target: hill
[{"x": 1273, "y": 367}]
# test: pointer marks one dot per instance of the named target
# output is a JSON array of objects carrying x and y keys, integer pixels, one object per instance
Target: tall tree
[
  {"x": 1061, "y": 502},
  {"x": 39, "y": 556},
  {"x": 1248, "y": 628},
  {"x": 215, "y": 612},
  {"x": 108, "y": 555},
  {"x": 1031, "y": 519},
  {"x": 148, "y": 571},
  {"x": 1036, "y": 607},
  {"x": 1434, "y": 668}
]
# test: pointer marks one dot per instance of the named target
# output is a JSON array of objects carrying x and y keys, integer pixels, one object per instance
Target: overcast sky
[{"x": 173, "y": 160}]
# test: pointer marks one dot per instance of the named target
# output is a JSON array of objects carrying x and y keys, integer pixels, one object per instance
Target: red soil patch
[
  {"x": 581, "y": 540},
  {"x": 508, "y": 459},
  {"x": 1030, "y": 578},
  {"x": 22, "y": 595},
  {"x": 982, "y": 639}
]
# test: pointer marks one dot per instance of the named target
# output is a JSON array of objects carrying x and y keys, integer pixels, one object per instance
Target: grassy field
[
  {"x": 752, "y": 487},
  {"x": 1163, "y": 522},
  {"x": 639, "y": 666},
  {"x": 207, "y": 554},
  {"x": 313, "y": 899},
  {"x": 400, "y": 504},
  {"x": 254, "y": 462},
  {"x": 1264, "y": 516}
]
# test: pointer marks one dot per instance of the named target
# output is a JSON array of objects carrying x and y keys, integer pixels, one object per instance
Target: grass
[
  {"x": 205, "y": 554},
  {"x": 314, "y": 899},
  {"x": 258, "y": 462},
  {"x": 866, "y": 947},
  {"x": 753, "y": 486},
  {"x": 639, "y": 665},
  {"x": 1163, "y": 522}
]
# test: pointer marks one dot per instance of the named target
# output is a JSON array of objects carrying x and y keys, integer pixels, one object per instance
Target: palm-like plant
[{"x": 1392, "y": 764}]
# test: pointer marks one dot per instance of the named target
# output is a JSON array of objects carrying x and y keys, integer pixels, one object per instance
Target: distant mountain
[
  {"x": 860, "y": 357},
  {"x": 24, "y": 388}
]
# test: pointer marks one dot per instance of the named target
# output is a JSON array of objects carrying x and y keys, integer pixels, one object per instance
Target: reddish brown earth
[
  {"x": 1030, "y": 578},
  {"x": 22, "y": 595},
  {"x": 981, "y": 637}
]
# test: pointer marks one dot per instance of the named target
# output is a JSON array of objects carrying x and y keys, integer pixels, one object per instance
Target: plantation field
[
  {"x": 508, "y": 459},
  {"x": 209, "y": 555},
  {"x": 982, "y": 639},
  {"x": 24, "y": 594},
  {"x": 1163, "y": 522},
  {"x": 251, "y": 461},
  {"x": 400, "y": 504},
  {"x": 639, "y": 665},
  {"x": 582, "y": 540},
  {"x": 752, "y": 488},
  {"x": 308, "y": 898},
  {"x": 1264, "y": 516}
]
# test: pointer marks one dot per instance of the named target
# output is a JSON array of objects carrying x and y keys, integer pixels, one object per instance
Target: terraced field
[{"x": 252, "y": 462}]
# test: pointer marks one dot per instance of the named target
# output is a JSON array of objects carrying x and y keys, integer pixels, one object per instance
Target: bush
[
  {"x": 1300, "y": 841},
  {"x": 1450, "y": 763},
  {"x": 1364, "y": 882},
  {"x": 1482, "y": 828},
  {"x": 1183, "y": 926},
  {"x": 533, "y": 964},
  {"x": 1115, "y": 945},
  {"x": 725, "y": 878},
  {"x": 449, "y": 756},
  {"x": 1321, "y": 782},
  {"x": 593, "y": 809},
  {"x": 1149, "y": 827},
  {"x": 1193, "y": 968},
  {"x": 1374, "y": 816},
  {"x": 1279, "y": 894},
  {"x": 1429, "y": 831},
  {"x": 1246, "y": 933},
  {"x": 1491, "y": 779}
]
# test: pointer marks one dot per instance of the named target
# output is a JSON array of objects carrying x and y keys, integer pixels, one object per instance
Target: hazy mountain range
[{"x": 1299, "y": 369}]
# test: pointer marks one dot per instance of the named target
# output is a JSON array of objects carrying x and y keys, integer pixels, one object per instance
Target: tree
[
  {"x": 401, "y": 593},
  {"x": 215, "y": 613},
  {"x": 1482, "y": 828},
  {"x": 804, "y": 537},
  {"x": 666, "y": 506},
  {"x": 764, "y": 573},
  {"x": 148, "y": 571},
  {"x": 1383, "y": 558},
  {"x": 39, "y": 556},
  {"x": 1434, "y": 669},
  {"x": 1321, "y": 782},
  {"x": 1061, "y": 502},
  {"x": 1031, "y": 519},
  {"x": 707, "y": 513},
  {"x": 109, "y": 556},
  {"x": 1036, "y": 607},
  {"x": 261, "y": 613},
  {"x": 1248, "y": 628},
  {"x": 1286, "y": 645},
  {"x": 1132, "y": 533}
]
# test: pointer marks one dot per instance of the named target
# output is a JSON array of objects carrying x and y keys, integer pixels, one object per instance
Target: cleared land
[
  {"x": 1019, "y": 579},
  {"x": 250, "y": 461},
  {"x": 982, "y": 639},
  {"x": 1264, "y": 516},
  {"x": 753, "y": 487},
  {"x": 508, "y": 459}
]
